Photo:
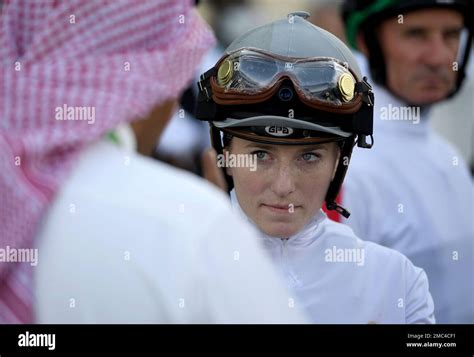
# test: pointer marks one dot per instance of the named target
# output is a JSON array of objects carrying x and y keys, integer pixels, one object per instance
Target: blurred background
[{"x": 186, "y": 138}]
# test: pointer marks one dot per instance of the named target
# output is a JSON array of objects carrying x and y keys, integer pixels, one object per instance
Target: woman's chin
[{"x": 283, "y": 230}]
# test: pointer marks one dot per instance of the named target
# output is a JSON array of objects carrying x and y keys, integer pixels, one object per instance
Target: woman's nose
[{"x": 284, "y": 182}]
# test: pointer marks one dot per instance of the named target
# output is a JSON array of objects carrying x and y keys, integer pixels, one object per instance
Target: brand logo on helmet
[
  {"x": 285, "y": 94},
  {"x": 278, "y": 130}
]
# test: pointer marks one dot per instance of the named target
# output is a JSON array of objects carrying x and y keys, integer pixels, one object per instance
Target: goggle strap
[
  {"x": 366, "y": 89},
  {"x": 362, "y": 121},
  {"x": 204, "y": 84},
  {"x": 206, "y": 109}
]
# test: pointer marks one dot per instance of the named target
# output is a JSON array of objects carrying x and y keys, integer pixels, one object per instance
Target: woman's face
[{"x": 287, "y": 188}]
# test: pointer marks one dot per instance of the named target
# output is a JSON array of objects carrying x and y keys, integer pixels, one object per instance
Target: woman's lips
[{"x": 289, "y": 208}]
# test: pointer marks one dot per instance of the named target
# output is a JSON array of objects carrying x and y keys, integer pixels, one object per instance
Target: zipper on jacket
[
  {"x": 292, "y": 280},
  {"x": 284, "y": 258}
]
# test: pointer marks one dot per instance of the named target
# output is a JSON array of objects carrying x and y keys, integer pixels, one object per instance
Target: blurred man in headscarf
[{"x": 119, "y": 237}]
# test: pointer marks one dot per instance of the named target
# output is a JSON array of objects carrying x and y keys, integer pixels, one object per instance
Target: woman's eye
[
  {"x": 261, "y": 155},
  {"x": 309, "y": 157}
]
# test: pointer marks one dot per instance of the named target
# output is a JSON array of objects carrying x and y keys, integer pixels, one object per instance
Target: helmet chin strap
[
  {"x": 336, "y": 183},
  {"x": 217, "y": 144}
]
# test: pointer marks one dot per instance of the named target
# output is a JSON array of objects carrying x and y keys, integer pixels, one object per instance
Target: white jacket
[
  {"x": 337, "y": 278},
  {"x": 413, "y": 192},
  {"x": 131, "y": 240}
]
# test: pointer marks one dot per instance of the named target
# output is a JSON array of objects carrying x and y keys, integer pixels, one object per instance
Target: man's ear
[{"x": 361, "y": 45}]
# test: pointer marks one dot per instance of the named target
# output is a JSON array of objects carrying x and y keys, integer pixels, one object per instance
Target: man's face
[
  {"x": 420, "y": 54},
  {"x": 287, "y": 188}
]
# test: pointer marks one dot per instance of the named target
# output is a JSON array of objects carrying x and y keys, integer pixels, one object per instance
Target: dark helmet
[
  {"x": 364, "y": 15},
  {"x": 289, "y": 83}
]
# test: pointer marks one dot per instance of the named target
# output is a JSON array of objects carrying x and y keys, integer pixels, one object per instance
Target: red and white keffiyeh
[{"x": 120, "y": 57}]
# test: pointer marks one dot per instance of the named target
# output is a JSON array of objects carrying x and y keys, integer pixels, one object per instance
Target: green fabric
[
  {"x": 358, "y": 17},
  {"x": 112, "y": 136}
]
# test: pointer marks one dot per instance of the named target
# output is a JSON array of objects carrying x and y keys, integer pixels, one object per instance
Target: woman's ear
[{"x": 228, "y": 170}]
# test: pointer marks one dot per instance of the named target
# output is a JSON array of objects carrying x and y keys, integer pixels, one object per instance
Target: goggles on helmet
[{"x": 250, "y": 76}]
